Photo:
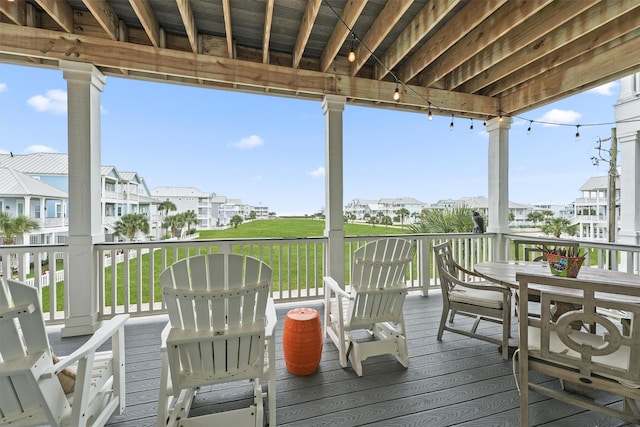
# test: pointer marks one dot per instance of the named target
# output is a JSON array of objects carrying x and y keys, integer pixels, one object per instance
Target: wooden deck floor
[{"x": 456, "y": 382}]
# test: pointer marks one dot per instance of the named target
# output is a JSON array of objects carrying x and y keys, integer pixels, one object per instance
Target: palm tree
[
  {"x": 190, "y": 217},
  {"x": 11, "y": 228},
  {"x": 451, "y": 220},
  {"x": 235, "y": 221},
  {"x": 174, "y": 223},
  {"x": 557, "y": 226},
  {"x": 403, "y": 213},
  {"x": 167, "y": 206},
  {"x": 130, "y": 224}
]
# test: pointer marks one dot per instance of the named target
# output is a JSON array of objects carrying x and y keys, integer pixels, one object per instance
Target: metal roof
[
  {"x": 14, "y": 183},
  {"x": 37, "y": 163}
]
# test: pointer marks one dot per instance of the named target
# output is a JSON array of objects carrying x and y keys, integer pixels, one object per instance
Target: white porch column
[
  {"x": 627, "y": 111},
  {"x": 333, "y": 106},
  {"x": 498, "y": 185},
  {"x": 84, "y": 85}
]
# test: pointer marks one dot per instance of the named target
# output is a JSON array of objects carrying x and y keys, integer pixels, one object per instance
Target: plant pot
[{"x": 564, "y": 266}]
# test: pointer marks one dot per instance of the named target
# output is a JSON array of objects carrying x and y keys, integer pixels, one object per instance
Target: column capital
[
  {"x": 83, "y": 71},
  {"x": 333, "y": 103},
  {"x": 499, "y": 123}
]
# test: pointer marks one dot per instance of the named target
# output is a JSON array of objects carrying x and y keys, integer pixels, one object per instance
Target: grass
[{"x": 294, "y": 274}]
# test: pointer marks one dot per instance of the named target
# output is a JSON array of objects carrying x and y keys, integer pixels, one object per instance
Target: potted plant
[{"x": 563, "y": 261}]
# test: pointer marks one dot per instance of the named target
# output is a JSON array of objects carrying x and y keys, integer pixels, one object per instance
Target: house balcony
[{"x": 458, "y": 381}]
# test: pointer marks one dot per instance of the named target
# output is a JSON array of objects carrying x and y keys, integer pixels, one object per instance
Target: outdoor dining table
[{"x": 504, "y": 273}]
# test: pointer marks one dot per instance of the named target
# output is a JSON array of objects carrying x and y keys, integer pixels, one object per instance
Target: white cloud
[
  {"x": 54, "y": 101},
  {"x": 3, "y": 87},
  {"x": 249, "y": 142},
  {"x": 39, "y": 149},
  {"x": 317, "y": 173},
  {"x": 557, "y": 117},
  {"x": 3, "y": 151},
  {"x": 606, "y": 89}
]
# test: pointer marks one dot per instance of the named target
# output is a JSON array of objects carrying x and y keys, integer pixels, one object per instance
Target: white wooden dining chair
[
  {"x": 37, "y": 388},
  {"x": 466, "y": 294},
  {"x": 604, "y": 357},
  {"x": 374, "y": 303},
  {"x": 221, "y": 330}
]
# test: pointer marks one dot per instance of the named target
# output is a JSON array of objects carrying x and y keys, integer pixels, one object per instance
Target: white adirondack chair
[
  {"x": 373, "y": 303},
  {"x": 219, "y": 316},
  {"x": 30, "y": 392}
]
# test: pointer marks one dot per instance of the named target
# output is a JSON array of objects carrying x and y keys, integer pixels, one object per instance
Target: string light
[
  {"x": 471, "y": 127},
  {"x": 351, "y": 57},
  {"x": 396, "y": 94},
  {"x": 352, "y": 53}
]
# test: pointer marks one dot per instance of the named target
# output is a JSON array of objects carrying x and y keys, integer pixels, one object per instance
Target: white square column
[
  {"x": 627, "y": 113},
  {"x": 333, "y": 107},
  {"x": 84, "y": 85},
  {"x": 498, "y": 185}
]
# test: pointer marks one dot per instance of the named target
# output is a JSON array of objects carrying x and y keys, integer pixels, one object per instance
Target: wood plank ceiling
[{"x": 470, "y": 58}]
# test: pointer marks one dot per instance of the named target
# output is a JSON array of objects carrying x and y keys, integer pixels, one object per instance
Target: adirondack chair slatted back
[
  {"x": 31, "y": 393},
  {"x": 217, "y": 305},
  {"x": 378, "y": 279},
  {"x": 23, "y": 338}
]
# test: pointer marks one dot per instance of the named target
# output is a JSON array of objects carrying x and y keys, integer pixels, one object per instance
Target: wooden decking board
[{"x": 459, "y": 381}]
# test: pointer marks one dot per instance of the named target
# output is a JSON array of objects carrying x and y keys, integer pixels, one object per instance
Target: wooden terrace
[{"x": 456, "y": 382}]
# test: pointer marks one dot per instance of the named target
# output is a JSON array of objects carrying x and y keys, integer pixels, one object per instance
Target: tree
[
  {"x": 174, "y": 223},
  {"x": 403, "y": 213},
  {"x": 386, "y": 220},
  {"x": 535, "y": 217},
  {"x": 190, "y": 217},
  {"x": 450, "y": 220},
  {"x": 252, "y": 215},
  {"x": 557, "y": 226},
  {"x": 11, "y": 228},
  {"x": 236, "y": 220},
  {"x": 130, "y": 224},
  {"x": 167, "y": 206}
]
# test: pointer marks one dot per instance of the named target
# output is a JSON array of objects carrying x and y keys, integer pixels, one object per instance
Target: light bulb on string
[
  {"x": 396, "y": 94},
  {"x": 578, "y": 133},
  {"x": 529, "y": 128},
  {"x": 451, "y": 125},
  {"x": 352, "y": 53},
  {"x": 471, "y": 127},
  {"x": 429, "y": 114},
  {"x": 500, "y": 117}
]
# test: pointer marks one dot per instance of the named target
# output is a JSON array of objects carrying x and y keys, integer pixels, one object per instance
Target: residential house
[{"x": 591, "y": 210}]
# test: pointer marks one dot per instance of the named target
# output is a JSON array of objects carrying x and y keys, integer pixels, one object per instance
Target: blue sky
[{"x": 268, "y": 150}]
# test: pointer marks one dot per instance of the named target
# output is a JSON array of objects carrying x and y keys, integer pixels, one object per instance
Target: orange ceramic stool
[{"x": 302, "y": 341}]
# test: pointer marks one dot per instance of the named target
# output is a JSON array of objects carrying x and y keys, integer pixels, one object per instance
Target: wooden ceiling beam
[
  {"x": 350, "y": 14},
  {"x": 469, "y": 17},
  {"x": 147, "y": 17},
  {"x": 160, "y": 64},
  {"x": 226, "y": 11},
  {"x": 481, "y": 37},
  {"x": 384, "y": 23},
  {"x": 189, "y": 22},
  {"x": 424, "y": 22},
  {"x": 306, "y": 25},
  {"x": 60, "y": 11},
  {"x": 15, "y": 10},
  {"x": 535, "y": 28},
  {"x": 559, "y": 47},
  {"x": 268, "y": 18},
  {"x": 581, "y": 73},
  {"x": 105, "y": 15}
]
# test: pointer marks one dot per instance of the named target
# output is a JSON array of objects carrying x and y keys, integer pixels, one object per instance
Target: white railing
[{"x": 131, "y": 284}]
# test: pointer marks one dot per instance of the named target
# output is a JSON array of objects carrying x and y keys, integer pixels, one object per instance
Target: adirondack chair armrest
[
  {"x": 106, "y": 331},
  {"x": 333, "y": 286},
  {"x": 16, "y": 311},
  {"x": 164, "y": 335},
  {"x": 272, "y": 319}
]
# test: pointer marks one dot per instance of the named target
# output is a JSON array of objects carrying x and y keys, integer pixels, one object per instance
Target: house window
[{"x": 20, "y": 209}]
